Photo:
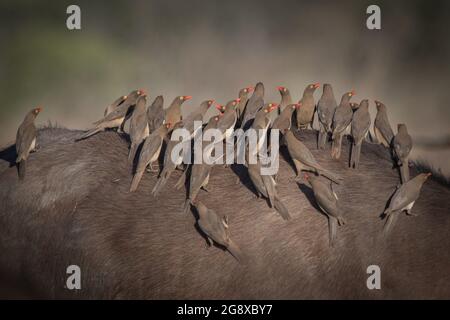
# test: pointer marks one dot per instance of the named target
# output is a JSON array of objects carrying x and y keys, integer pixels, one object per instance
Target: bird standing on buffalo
[
  {"x": 243, "y": 96},
  {"x": 173, "y": 112},
  {"x": 114, "y": 105},
  {"x": 266, "y": 186},
  {"x": 212, "y": 124},
  {"x": 149, "y": 153},
  {"x": 170, "y": 164},
  {"x": 138, "y": 126},
  {"x": 117, "y": 117},
  {"x": 216, "y": 229},
  {"x": 261, "y": 123},
  {"x": 341, "y": 121},
  {"x": 26, "y": 140},
  {"x": 199, "y": 179},
  {"x": 200, "y": 172},
  {"x": 285, "y": 101},
  {"x": 303, "y": 158},
  {"x": 226, "y": 122},
  {"x": 255, "y": 103},
  {"x": 403, "y": 199},
  {"x": 402, "y": 145},
  {"x": 196, "y": 115},
  {"x": 155, "y": 114},
  {"x": 305, "y": 115},
  {"x": 381, "y": 126},
  {"x": 360, "y": 128},
  {"x": 284, "y": 120},
  {"x": 325, "y": 111},
  {"x": 327, "y": 201}
]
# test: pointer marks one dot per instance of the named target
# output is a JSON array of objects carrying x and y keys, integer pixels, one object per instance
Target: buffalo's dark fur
[{"x": 73, "y": 207}]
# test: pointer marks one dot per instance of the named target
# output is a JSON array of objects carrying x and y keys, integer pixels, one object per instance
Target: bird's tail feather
[
  {"x": 329, "y": 175},
  {"x": 132, "y": 154},
  {"x": 21, "y": 168},
  {"x": 282, "y": 210},
  {"x": 182, "y": 180},
  {"x": 404, "y": 171},
  {"x": 332, "y": 225},
  {"x": 160, "y": 183},
  {"x": 236, "y": 252},
  {"x": 187, "y": 205},
  {"x": 390, "y": 220},
  {"x": 136, "y": 179},
  {"x": 354, "y": 158},
  {"x": 336, "y": 146},
  {"x": 322, "y": 139},
  {"x": 90, "y": 133}
]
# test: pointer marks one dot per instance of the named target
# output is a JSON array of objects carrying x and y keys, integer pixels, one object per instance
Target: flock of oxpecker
[{"x": 151, "y": 127}]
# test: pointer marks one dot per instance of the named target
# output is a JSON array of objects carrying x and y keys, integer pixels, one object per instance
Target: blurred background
[{"x": 211, "y": 49}]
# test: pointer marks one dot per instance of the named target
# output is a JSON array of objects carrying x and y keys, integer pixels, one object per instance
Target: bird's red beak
[
  {"x": 280, "y": 88},
  {"x": 38, "y": 109},
  {"x": 352, "y": 93},
  {"x": 186, "y": 98},
  {"x": 250, "y": 89},
  {"x": 316, "y": 85},
  {"x": 238, "y": 100},
  {"x": 219, "y": 107},
  {"x": 298, "y": 105},
  {"x": 142, "y": 92}
]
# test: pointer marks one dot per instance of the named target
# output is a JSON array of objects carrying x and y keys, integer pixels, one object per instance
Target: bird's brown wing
[
  {"x": 138, "y": 127},
  {"x": 199, "y": 173},
  {"x": 24, "y": 138},
  {"x": 251, "y": 109},
  {"x": 117, "y": 113},
  {"x": 326, "y": 201},
  {"x": 151, "y": 146},
  {"x": 342, "y": 118}
]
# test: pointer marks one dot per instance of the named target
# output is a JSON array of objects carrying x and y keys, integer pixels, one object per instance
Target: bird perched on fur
[
  {"x": 262, "y": 122},
  {"x": 325, "y": 112},
  {"x": 303, "y": 158},
  {"x": 26, "y": 140},
  {"x": 402, "y": 145},
  {"x": 286, "y": 100},
  {"x": 155, "y": 114},
  {"x": 243, "y": 96},
  {"x": 212, "y": 124},
  {"x": 305, "y": 115},
  {"x": 284, "y": 120},
  {"x": 341, "y": 121},
  {"x": 327, "y": 201},
  {"x": 381, "y": 126},
  {"x": 114, "y": 105},
  {"x": 117, "y": 117},
  {"x": 149, "y": 153},
  {"x": 403, "y": 199},
  {"x": 173, "y": 112},
  {"x": 196, "y": 115},
  {"x": 255, "y": 103},
  {"x": 138, "y": 126},
  {"x": 266, "y": 186},
  {"x": 360, "y": 128},
  {"x": 216, "y": 229},
  {"x": 170, "y": 163}
]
